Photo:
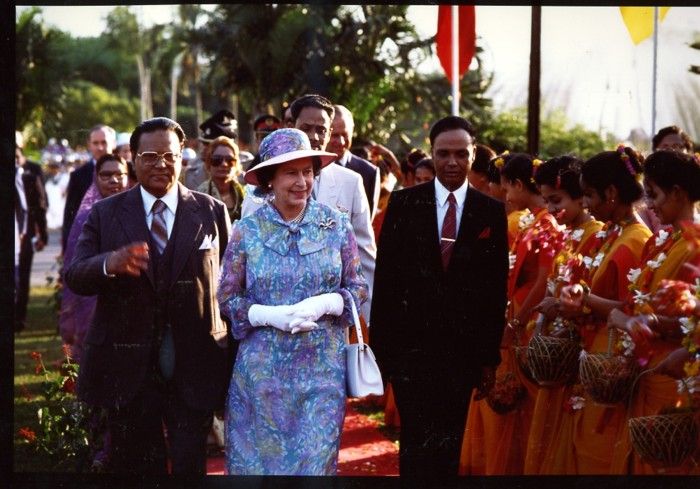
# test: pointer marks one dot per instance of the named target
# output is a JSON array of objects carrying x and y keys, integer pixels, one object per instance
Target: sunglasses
[
  {"x": 150, "y": 158},
  {"x": 219, "y": 160}
]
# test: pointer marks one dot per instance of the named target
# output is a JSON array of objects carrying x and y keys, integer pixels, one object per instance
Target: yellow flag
[{"x": 640, "y": 21}]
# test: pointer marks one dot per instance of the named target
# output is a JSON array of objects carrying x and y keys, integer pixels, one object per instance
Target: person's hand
[
  {"x": 549, "y": 307},
  {"x": 488, "y": 379},
  {"x": 313, "y": 308},
  {"x": 672, "y": 365},
  {"x": 278, "y": 317},
  {"x": 131, "y": 259},
  {"x": 571, "y": 298},
  {"x": 619, "y": 320},
  {"x": 39, "y": 244},
  {"x": 302, "y": 325}
]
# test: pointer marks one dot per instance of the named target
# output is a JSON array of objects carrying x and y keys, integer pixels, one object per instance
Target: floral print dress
[{"x": 286, "y": 401}]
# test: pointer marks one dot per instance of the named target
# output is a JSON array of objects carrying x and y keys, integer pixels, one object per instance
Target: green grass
[{"x": 41, "y": 336}]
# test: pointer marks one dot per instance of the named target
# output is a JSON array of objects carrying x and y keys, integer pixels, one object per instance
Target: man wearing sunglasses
[{"x": 155, "y": 351}]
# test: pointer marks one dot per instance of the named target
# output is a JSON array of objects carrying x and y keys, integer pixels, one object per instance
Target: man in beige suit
[{"x": 335, "y": 186}]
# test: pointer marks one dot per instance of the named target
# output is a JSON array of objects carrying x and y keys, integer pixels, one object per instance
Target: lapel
[
  {"x": 429, "y": 210},
  {"x": 468, "y": 227},
  {"x": 188, "y": 224},
  {"x": 327, "y": 186},
  {"x": 132, "y": 217}
]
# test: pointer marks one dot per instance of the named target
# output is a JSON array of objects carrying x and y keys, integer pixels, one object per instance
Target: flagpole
[
  {"x": 654, "y": 72},
  {"x": 455, "y": 60}
]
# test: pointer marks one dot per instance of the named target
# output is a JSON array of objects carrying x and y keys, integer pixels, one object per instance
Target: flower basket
[
  {"x": 506, "y": 394},
  {"x": 607, "y": 379},
  {"x": 664, "y": 440},
  {"x": 552, "y": 361},
  {"x": 521, "y": 358}
]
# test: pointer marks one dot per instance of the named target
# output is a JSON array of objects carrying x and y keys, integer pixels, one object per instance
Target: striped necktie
[
  {"x": 449, "y": 231},
  {"x": 159, "y": 230}
]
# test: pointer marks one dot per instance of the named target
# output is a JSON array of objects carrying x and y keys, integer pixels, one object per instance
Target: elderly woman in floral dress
[{"x": 290, "y": 277}]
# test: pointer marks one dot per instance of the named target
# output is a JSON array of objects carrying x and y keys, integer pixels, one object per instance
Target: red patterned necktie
[
  {"x": 449, "y": 231},
  {"x": 159, "y": 231}
]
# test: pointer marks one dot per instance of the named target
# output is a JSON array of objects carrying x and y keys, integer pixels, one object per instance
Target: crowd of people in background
[{"x": 209, "y": 290}]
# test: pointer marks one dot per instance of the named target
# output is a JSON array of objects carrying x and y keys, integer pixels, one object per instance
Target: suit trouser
[
  {"x": 137, "y": 439},
  {"x": 433, "y": 410},
  {"x": 26, "y": 255}
]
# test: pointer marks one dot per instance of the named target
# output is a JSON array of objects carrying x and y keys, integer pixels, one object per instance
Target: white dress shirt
[
  {"x": 441, "y": 194},
  {"x": 170, "y": 201}
]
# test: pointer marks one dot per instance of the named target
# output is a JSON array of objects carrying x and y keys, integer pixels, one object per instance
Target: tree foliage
[
  {"x": 508, "y": 131},
  {"x": 38, "y": 71}
]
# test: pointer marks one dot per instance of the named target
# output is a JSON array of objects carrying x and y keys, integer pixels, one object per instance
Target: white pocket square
[{"x": 208, "y": 242}]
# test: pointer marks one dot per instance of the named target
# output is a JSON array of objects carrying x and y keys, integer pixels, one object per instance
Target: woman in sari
[
  {"x": 558, "y": 181},
  {"x": 611, "y": 186},
  {"x": 672, "y": 187},
  {"x": 76, "y": 310},
  {"x": 494, "y": 443}
]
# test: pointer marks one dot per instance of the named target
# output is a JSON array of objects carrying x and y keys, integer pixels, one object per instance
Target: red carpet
[{"x": 363, "y": 449}]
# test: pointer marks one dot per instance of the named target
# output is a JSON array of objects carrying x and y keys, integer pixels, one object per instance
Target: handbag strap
[{"x": 358, "y": 327}]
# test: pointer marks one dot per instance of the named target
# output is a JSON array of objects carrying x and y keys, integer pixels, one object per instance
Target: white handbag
[{"x": 362, "y": 372}]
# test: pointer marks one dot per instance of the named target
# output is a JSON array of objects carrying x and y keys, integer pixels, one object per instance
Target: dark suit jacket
[
  {"x": 37, "y": 203},
  {"x": 426, "y": 320},
  {"x": 368, "y": 172},
  {"x": 120, "y": 341},
  {"x": 78, "y": 184}
]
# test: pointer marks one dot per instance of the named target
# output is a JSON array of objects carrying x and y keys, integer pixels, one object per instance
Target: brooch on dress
[{"x": 327, "y": 224}]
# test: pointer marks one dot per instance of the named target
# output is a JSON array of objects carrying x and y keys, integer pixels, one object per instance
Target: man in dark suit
[
  {"x": 102, "y": 139},
  {"x": 155, "y": 350},
  {"x": 341, "y": 140},
  {"x": 439, "y": 302},
  {"x": 36, "y": 236}
]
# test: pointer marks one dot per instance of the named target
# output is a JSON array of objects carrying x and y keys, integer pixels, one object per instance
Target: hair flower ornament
[
  {"x": 500, "y": 161},
  {"x": 626, "y": 159}
]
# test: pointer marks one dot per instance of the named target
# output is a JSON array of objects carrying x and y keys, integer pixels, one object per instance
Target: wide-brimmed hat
[{"x": 283, "y": 146}]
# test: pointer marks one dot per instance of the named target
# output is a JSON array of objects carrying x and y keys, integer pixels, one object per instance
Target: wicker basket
[
  {"x": 665, "y": 440},
  {"x": 607, "y": 379},
  {"x": 552, "y": 361}
]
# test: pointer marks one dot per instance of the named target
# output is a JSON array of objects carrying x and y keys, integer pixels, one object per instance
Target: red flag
[{"x": 467, "y": 37}]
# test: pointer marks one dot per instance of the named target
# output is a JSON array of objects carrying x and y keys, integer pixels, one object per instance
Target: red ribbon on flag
[{"x": 467, "y": 38}]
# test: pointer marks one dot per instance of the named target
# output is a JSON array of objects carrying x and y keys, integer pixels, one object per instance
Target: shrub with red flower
[{"x": 63, "y": 432}]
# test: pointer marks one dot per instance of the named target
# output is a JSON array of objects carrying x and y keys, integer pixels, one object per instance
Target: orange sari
[
  {"x": 549, "y": 420},
  {"x": 654, "y": 392},
  {"x": 514, "y": 224},
  {"x": 494, "y": 444},
  {"x": 595, "y": 429}
]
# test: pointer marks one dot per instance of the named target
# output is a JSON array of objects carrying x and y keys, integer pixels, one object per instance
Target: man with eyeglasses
[
  {"x": 335, "y": 186},
  {"x": 102, "y": 140},
  {"x": 155, "y": 352}
]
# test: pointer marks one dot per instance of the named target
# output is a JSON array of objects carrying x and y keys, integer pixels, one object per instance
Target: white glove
[
  {"x": 284, "y": 318},
  {"x": 314, "y": 307}
]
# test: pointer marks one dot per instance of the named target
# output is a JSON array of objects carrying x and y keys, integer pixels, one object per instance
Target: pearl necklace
[{"x": 299, "y": 217}]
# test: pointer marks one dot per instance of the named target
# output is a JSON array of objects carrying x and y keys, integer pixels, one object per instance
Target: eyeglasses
[
  {"x": 150, "y": 158},
  {"x": 106, "y": 176},
  {"x": 219, "y": 160}
]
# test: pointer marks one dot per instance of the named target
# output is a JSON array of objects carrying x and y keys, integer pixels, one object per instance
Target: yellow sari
[
  {"x": 654, "y": 392},
  {"x": 549, "y": 419},
  {"x": 494, "y": 444},
  {"x": 595, "y": 428}
]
